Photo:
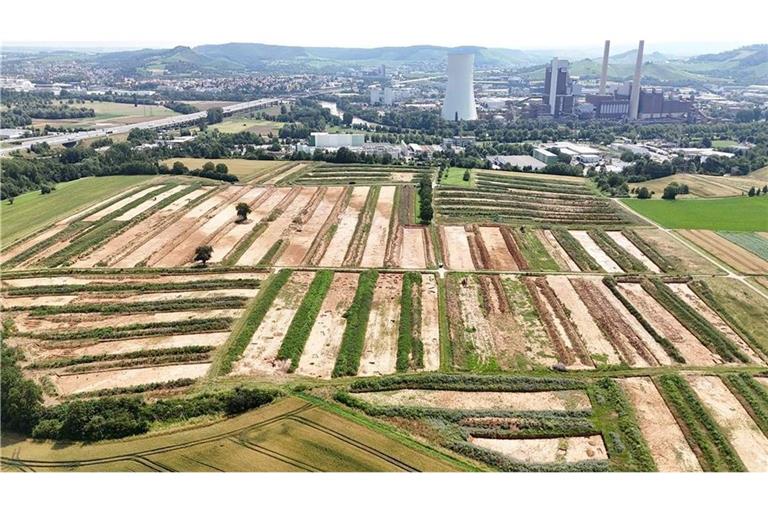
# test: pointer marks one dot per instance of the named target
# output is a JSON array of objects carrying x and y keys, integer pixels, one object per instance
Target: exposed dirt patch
[
  {"x": 666, "y": 441},
  {"x": 562, "y": 449},
  {"x": 456, "y": 246},
  {"x": 82, "y": 382},
  {"x": 745, "y": 436},
  {"x": 345, "y": 230},
  {"x": 100, "y": 214},
  {"x": 300, "y": 238},
  {"x": 7, "y": 254},
  {"x": 376, "y": 245},
  {"x": 322, "y": 347},
  {"x": 430, "y": 323},
  {"x": 498, "y": 254},
  {"x": 632, "y": 249},
  {"x": 149, "y": 203},
  {"x": 481, "y": 400},
  {"x": 595, "y": 251},
  {"x": 380, "y": 351},
  {"x": 556, "y": 251},
  {"x": 413, "y": 250}
]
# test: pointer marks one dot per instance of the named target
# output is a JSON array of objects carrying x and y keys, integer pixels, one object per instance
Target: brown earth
[
  {"x": 632, "y": 249},
  {"x": 595, "y": 251},
  {"x": 337, "y": 248},
  {"x": 556, "y": 251},
  {"x": 499, "y": 256},
  {"x": 100, "y": 214},
  {"x": 126, "y": 377},
  {"x": 380, "y": 351},
  {"x": 456, "y": 246},
  {"x": 300, "y": 238},
  {"x": 728, "y": 252},
  {"x": 414, "y": 248},
  {"x": 376, "y": 244},
  {"x": 562, "y": 449},
  {"x": 480, "y": 400},
  {"x": 430, "y": 323}
]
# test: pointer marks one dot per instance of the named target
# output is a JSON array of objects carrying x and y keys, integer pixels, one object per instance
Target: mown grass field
[
  {"x": 704, "y": 186},
  {"x": 727, "y": 214},
  {"x": 245, "y": 124},
  {"x": 289, "y": 435},
  {"x": 243, "y": 169},
  {"x": 455, "y": 178},
  {"x": 33, "y": 210},
  {"x": 110, "y": 113}
]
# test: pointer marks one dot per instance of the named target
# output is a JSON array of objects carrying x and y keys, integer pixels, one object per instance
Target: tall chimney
[
  {"x": 634, "y": 99},
  {"x": 604, "y": 74},
  {"x": 554, "y": 76}
]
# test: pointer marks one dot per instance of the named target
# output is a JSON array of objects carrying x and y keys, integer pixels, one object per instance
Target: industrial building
[
  {"x": 558, "y": 89},
  {"x": 336, "y": 140},
  {"x": 459, "y": 104},
  {"x": 389, "y": 95},
  {"x": 515, "y": 162}
]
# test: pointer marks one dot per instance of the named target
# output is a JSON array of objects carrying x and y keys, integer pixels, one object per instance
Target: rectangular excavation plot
[
  {"x": 126, "y": 377},
  {"x": 456, "y": 246},
  {"x": 688, "y": 296},
  {"x": 557, "y": 252},
  {"x": 599, "y": 347},
  {"x": 337, "y": 248},
  {"x": 430, "y": 323},
  {"x": 413, "y": 249},
  {"x": 300, "y": 240},
  {"x": 571, "y": 400},
  {"x": 20, "y": 247},
  {"x": 626, "y": 244},
  {"x": 209, "y": 339},
  {"x": 740, "y": 429},
  {"x": 121, "y": 203},
  {"x": 670, "y": 450},
  {"x": 668, "y": 326},
  {"x": 547, "y": 451},
  {"x": 149, "y": 203},
  {"x": 260, "y": 357},
  {"x": 380, "y": 348},
  {"x": 266, "y": 202},
  {"x": 376, "y": 245},
  {"x": 28, "y": 325},
  {"x": 595, "y": 251},
  {"x": 500, "y": 258},
  {"x": 128, "y": 278},
  {"x": 184, "y": 200},
  {"x": 276, "y": 228},
  {"x": 322, "y": 347}
]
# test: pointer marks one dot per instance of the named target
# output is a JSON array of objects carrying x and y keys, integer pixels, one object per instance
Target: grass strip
[
  {"x": 575, "y": 250},
  {"x": 137, "y": 330},
  {"x": 298, "y": 332},
  {"x": 69, "y": 289},
  {"x": 626, "y": 261},
  {"x": 353, "y": 339},
  {"x": 139, "y": 307},
  {"x": 409, "y": 348},
  {"x": 752, "y": 395}
]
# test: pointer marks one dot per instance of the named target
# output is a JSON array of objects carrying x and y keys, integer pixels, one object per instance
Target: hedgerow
[
  {"x": 139, "y": 354},
  {"x": 409, "y": 348},
  {"x": 69, "y": 289},
  {"x": 575, "y": 250},
  {"x": 207, "y": 303},
  {"x": 504, "y": 463},
  {"x": 138, "y": 330},
  {"x": 253, "y": 318},
  {"x": 466, "y": 383},
  {"x": 716, "y": 453},
  {"x": 298, "y": 332},
  {"x": 752, "y": 395},
  {"x": 140, "y": 388},
  {"x": 353, "y": 339},
  {"x": 626, "y": 261}
]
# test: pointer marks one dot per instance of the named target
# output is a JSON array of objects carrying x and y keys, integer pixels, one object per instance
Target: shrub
[
  {"x": 353, "y": 340},
  {"x": 409, "y": 349}
]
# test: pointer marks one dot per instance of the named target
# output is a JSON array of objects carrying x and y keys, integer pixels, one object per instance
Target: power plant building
[
  {"x": 459, "y": 104},
  {"x": 558, "y": 89}
]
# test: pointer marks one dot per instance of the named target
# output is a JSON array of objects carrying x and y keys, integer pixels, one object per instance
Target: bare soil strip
[
  {"x": 688, "y": 296},
  {"x": 25, "y": 302},
  {"x": 557, "y": 252},
  {"x": 595, "y": 251},
  {"x": 740, "y": 429},
  {"x": 262, "y": 206},
  {"x": 544, "y": 451},
  {"x": 184, "y": 200},
  {"x": 166, "y": 241},
  {"x": 27, "y": 282},
  {"x": 322, "y": 347},
  {"x": 260, "y": 357},
  {"x": 301, "y": 238},
  {"x": 149, "y": 203},
  {"x": 380, "y": 350},
  {"x": 430, "y": 323},
  {"x": 632, "y": 249},
  {"x": 598, "y": 346},
  {"x": 628, "y": 343},
  {"x": 667, "y": 443},
  {"x": 337, "y": 249},
  {"x": 211, "y": 339},
  {"x": 127, "y": 377},
  {"x": 291, "y": 169},
  {"x": 730, "y": 253},
  {"x": 19, "y": 248},
  {"x": 120, "y": 204},
  {"x": 570, "y": 400},
  {"x": 274, "y": 231},
  {"x": 121, "y": 244},
  {"x": 223, "y": 217},
  {"x": 86, "y": 298},
  {"x": 376, "y": 245},
  {"x": 499, "y": 256},
  {"x": 27, "y": 324},
  {"x": 97, "y": 206},
  {"x": 52, "y": 249},
  {"x": 413, "y": 249},
  {"x": 456, "y": 247},
  {"x": 668, "y": 326}
]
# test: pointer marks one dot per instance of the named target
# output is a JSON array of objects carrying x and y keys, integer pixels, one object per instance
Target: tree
[
  {"x": 751, "y": 192},
  {"x": 215, "y": 115},
  {"x": 203, "y": 253},
  {"x": 643, "y": 193},
  {"x": 179, "y": 168},
  {"x": 466, "y": 175},
  {"x": 209, "y": 167},
  {"x": 21, "y": 399},
  {"x": 46, "y": 189},
  {"x": 222, "y": 169},
  {"x": 243, "y": 209},
  {"x": 347, "y": 118},
  {"x": 670, "y": 191}
]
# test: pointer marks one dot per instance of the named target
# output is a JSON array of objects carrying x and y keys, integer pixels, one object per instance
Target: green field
[
  {"x": 112, "y": 114},
  {"x": 289, "y": 435},
  {"x": 32, "y": 211},
  {"x": 727, "y": 214},
  {"x": 245, "y": 124},
  {"x": 243, "y": 169},
  {"x": 454, "y": 177}
]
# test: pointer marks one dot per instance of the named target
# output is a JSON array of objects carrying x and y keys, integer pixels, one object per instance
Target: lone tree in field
[
  {"x": 242, "y": 211},
  {"x": 203, "y": 253}
]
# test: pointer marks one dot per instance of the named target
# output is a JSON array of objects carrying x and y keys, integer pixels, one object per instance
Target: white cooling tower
[{"x": 459, "y": 101}]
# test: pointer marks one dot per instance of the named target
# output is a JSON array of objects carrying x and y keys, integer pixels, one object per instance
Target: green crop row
[
  {"x": 253, "y": 318},
  {"x": 575, "y": 250},
  {"x": 353, "y": 339},
  {"x": 139, "y": 354},
  {"x": 715, "y": 340},
  {"x": 465, "y": 382},
  {"x": 207, "y": 303},
  {"x": 714, "y": 450},
  {"x": 69, "y": 289},
  {"x": 650, "y": 251},
  {"x": 410, "y": 350},
  {"x": 298, "y": 331},
  {"x": 140, "y": 388},
  {"x": 159, "y": 360},
  {"x": 138, "y": 330},
  {"x": 626, "y": 261},
  {"x": 752, "y": 395}
]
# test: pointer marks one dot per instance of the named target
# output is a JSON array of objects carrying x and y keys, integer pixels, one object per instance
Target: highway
[{"x": 157, "y": 123}]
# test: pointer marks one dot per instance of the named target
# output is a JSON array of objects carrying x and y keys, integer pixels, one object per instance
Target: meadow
[{"x": 727, "y": 214}]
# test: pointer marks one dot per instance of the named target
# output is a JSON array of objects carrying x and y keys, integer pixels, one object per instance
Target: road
[{"x": 157, "y": 123}]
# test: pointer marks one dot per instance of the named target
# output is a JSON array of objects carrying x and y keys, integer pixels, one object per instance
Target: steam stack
[
  {"x": 634, "y": 99},
  {"x": 604, "y": 73},
  {"x": 459, "y": 101}
]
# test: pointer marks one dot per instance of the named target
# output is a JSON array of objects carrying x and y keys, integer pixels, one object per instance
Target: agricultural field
[
  {"x": 109, "y": 114},
  {"x": 246, "y": 124},
  {"x": 245, "y": 170},
  {"x": 704, "y": 186},
  {"x": 331, "y": 331},
  {"x": 725, "y": 214}
]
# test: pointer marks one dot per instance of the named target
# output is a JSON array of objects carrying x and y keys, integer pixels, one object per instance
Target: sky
[{"x": 664, "y": 24}]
